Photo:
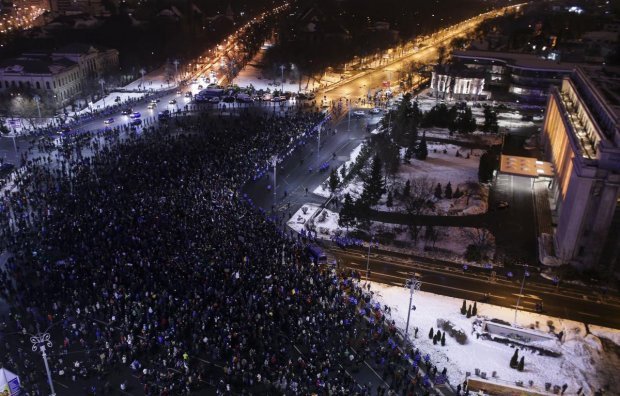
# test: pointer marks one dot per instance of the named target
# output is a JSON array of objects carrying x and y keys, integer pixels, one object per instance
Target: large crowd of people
[{"x": 136, "y": 251}]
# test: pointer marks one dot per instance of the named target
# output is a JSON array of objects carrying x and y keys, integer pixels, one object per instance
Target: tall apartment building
[{"x": 581, "y": 136}]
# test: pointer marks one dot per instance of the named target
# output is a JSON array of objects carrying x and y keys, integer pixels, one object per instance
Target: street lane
[{"x": 580, "y": 305}]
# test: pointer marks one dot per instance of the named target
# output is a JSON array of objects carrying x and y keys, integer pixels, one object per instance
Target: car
[
  {"x": 135, "y": 115},
  {"x": 136, "y": 122},
  {"x": 502, "y": 205},
  {"x": 359, "y": 113},
  {"x": 151, "y": 106},
  {"x": 163, "y": 115},
  {"x": 172, "y": 101},
  {"x": 188, "y": 94},
  {"x": 179, "y": 93},
  {"x": 267, "y": 96},
  {"x": 126, "y": 111},
  {"x": 154, "y": 101},
  {"x": 214, "y": 99},
  {"x": 375, "y": 110},
  {"x": 200, "y": 86},
  {"x": 243, "y": 98},
  {"x": 302, "y": 96},
  {"x": 109, "y": 121}
]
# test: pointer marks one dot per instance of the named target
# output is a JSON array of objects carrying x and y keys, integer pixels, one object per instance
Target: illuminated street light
[
  {"x": 39, "y": 342},
  {"x": 414, "y": 285},
  {"x": 37, "y": 99}
]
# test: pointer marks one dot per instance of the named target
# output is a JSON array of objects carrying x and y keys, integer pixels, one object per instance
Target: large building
[
  {"x": 581, "y": 136},
  {"x": 59, "y": 76},
  {"x": 454, "y": 81},
  {"x": 526, "y": 76}
]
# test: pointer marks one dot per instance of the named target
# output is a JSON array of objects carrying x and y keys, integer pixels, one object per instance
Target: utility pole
[
  {"x": 368, "y": 258},
  {"x": 413, "y": 284},
  {"x": 102, "y": 82},
  {"x": 525, "y": 273},
  {"x": 37, "y": 99},
  {"x": 318, "y": 147},
  {"x": 274, "y": 162}
]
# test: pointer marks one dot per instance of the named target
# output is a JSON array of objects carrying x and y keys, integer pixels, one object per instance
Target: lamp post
[
  {"x": 368, "y": 258},
  {"x": 40, "y": 342},
  {"x": 525, "y": 273},
  {"x": 274, "y": 162},
  {"x": 37, "y": 99},
  {"x": 142, "y": 72},
  {"x": 176, "y": 68},
  {"x": 318, "y": 146},
  {"x": 102, "y": 83},
  {"x": 282, "y": 67},
  {"x": 413, "y": 284}
]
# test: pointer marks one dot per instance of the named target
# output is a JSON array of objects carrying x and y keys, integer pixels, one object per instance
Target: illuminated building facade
[{"x": 581, "y": 137}]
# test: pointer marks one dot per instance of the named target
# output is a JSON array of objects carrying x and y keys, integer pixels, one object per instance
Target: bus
[{"x": 317, "y": 254}]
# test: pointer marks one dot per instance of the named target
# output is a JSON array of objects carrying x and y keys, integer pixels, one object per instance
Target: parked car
[
  {"x": 188, "y": 94},
  {"x": 155, "y": 101},
  {"x": 172, "y": 101},
  {"x": 135, "y": 115},
  {"x": 359, "y": 113},
  {"x": 214, "y": 99},
  {"x": 375, "y": 110},
  {"x": 126, "y": 111},
  {"x": 109, "y": 121},
  {"x": 136, "y": 122},
  {"x": 151, "y": 106}
]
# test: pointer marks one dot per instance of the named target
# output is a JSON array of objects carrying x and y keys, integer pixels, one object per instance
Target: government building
[{"x": 581, "y": 137}]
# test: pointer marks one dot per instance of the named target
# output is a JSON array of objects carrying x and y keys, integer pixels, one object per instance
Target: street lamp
[
  {"x": 102, "y": 83},
  {"x": 37, "y": 99},
  {"x": 368, "y": 258},
  {"x": 413, "y": 284},
  {"x": 176, "y": 67},
  {"x": 282, "y": 67},
  {"x": 39, "y": 342},
  {"x": 274, "y": 162},
  {"x": 143, "y": 72},
  {"x": 525, "y": 273}
]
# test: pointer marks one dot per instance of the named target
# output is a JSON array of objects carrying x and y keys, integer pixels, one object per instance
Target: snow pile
[
  {"x": 354, "y": 188},
  {"x": 311, "y": 217},
  {"x": 585, "y": 360}
]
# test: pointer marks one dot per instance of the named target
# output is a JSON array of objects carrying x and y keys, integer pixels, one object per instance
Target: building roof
[
  {"x": 35, "y": 65},
  {"x": 75, "y": 49},
  {"x": 525, "y": 166},
  {"x": 518, "y": 60},
  {"x": 606, "y": 81}
]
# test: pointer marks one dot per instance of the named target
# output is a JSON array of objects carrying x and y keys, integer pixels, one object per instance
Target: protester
[{"x": 136, "y": 250}]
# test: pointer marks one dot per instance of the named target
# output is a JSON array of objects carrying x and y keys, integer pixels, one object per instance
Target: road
[
  {"x": 575, "y": 303},
  {"x": 362, "y": 84}
]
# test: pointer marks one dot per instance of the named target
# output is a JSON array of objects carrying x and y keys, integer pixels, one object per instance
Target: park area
[{"x": 555, "y": 351}]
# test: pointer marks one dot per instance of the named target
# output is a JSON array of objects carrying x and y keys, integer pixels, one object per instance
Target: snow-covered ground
[
  {"x": 587, "y": 360},
  {"x": 446, "y": 242},
  {"x": 441, "y": 166},
  {"x": 255, "y": 73},
  {"x": 112, "y": 98}
]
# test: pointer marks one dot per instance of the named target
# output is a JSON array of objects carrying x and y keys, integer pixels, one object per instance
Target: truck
[{"x": 316, "y": 254}]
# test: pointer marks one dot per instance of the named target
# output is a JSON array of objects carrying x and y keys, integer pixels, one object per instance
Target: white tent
[{"x": 9, "y": 383}]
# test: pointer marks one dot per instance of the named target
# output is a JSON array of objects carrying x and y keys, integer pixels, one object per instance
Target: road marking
[
  {"x": 432, "y": 284},
  {"x": 589, "y": 314}
]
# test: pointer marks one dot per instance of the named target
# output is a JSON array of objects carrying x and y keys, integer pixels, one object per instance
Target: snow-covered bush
[{"x": 456, "y": 333}]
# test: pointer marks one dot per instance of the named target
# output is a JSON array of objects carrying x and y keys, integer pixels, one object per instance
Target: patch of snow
[{"x": 584, "y": 361}]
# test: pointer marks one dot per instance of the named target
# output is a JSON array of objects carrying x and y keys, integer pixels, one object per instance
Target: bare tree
[
  {"x": 416, "y": 202},
  {"x": 481, "y": 238}
]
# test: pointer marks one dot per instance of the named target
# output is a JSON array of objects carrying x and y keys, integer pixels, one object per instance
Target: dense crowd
[{"x": 138, "y": 253}]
